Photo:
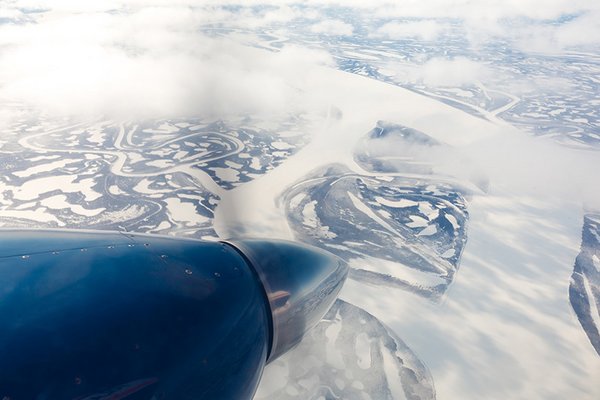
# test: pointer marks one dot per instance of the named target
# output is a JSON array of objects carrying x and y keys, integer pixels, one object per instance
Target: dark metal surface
[
  {"x": 93, "y": 315},
  {"x": 301, "y": 282}
]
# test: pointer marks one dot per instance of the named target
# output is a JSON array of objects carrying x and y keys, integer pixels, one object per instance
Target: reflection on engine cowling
[{"x": 301, "y": 282}]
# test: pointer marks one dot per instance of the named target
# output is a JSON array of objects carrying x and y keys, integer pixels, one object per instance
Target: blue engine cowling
[{"x": 106, "y": 315}]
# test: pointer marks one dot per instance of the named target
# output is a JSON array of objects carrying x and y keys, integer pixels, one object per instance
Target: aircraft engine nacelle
[{"x": 106, "y": 315}]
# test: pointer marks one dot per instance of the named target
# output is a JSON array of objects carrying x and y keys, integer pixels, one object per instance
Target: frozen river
[{"x": 460, "y": 266}]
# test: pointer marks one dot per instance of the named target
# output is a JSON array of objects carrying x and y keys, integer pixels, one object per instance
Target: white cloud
[
  {"x": 333, "y": 27},
  {"x": 424, "y": 30},
  {"x": 528, "y": 24},
  {"x": 583, "y": 30},
  {"x": 454, "y": 72},
  {"x": 150, "y": 58},
  {"x": 482, "y": 9},
  {"x": 149, "y": 62},
  {"x": 438, "y": 71},
  {"x": 518, "y": 163}
]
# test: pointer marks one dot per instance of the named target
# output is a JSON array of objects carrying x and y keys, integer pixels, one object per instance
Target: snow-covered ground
[
  {"x": 494, "y": 323},
  {"x": 452, "y": 174},
  {"x": 505, "y": 328}
]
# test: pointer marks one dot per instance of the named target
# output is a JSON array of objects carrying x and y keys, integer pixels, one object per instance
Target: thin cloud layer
[
  {"x": 333, "y": 27},
  {"x": 441, "y": 72},
  {"x": 150, "y": 62},
  {"x": 423, "y": 30},
  {"x": 149, "y": 57},
  {"x": 458, "y": 71}
]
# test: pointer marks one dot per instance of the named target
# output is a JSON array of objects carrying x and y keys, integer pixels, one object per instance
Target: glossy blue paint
[{"x": 92, "y": 315}]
